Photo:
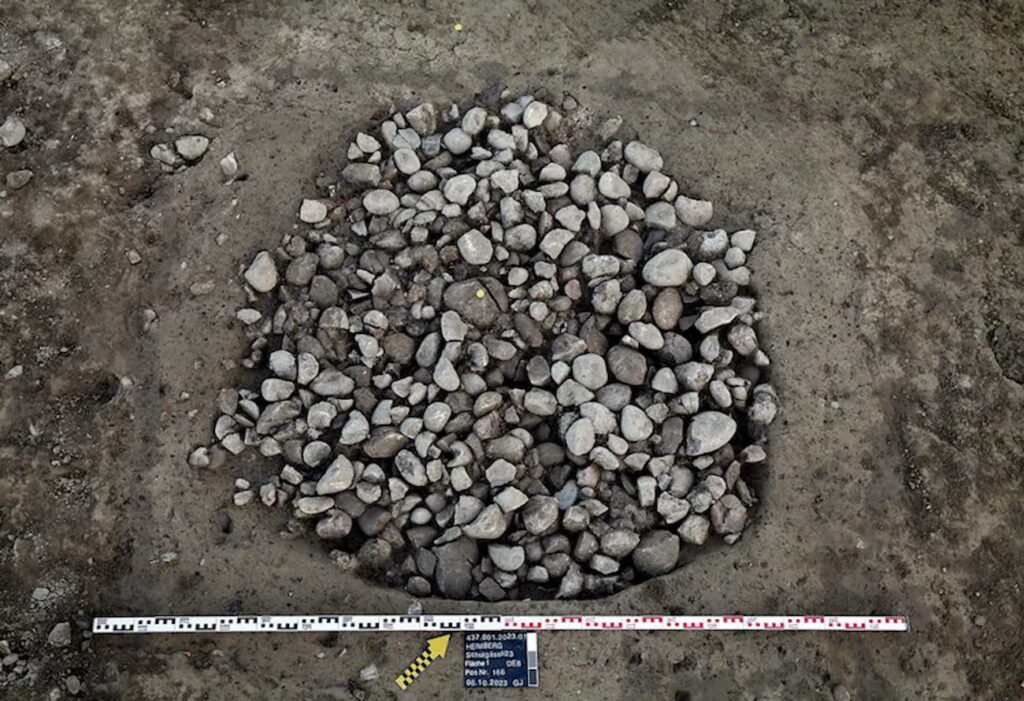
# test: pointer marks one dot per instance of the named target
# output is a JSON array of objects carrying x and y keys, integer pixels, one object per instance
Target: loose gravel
[{"x": 495, "y": 368}]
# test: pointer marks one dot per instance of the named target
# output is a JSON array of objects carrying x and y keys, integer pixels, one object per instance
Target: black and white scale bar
[{"x": 443, "y": 623}]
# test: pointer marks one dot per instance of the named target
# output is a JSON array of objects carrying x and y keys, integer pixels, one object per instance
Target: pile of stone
[{"x": 498, "y": 369}]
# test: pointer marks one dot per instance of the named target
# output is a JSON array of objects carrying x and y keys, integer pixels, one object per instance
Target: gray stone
[
  {"x": 380, "y": 202},
  {"x": 262, "y": 273},
  {"x": 362, "y": 174},
  {"x": 540, "y": 514},
  {"x": 660, "y": 215},
  {"x": 312, "y": 211},
  {"x": 506, "y": 557},
  {"x": 406, "y": 161},
  {"x": 488, "y": 525},
  {"x": 613, "y": 219},
  {"x": 311, "y": 506},
  {"x": 669, "y": 268},
  {"x": 619, "y": 542},
  {"x": 334, "y": 526},
  {"x": 411, "y": 468},
  {"x": 453, "y": 573},
  {"x": 459, "y": 188},
  {"x": 192, "y": 147},
  {"x": 671, "y": 508},
  {"x": 743, "y": 240},
  {"x": 475, "y": 248},
  {"x": 436, "y": 416},
  {"x": 694, "y": 529},
  {"x": 60, "y": 635},
  {"x": 540, "y": 402},
  {"x": 534, "y": 114},
  {"x": 575, "y": 519},
  {"x": 12, "y": 131},
  {"x": 500, "y": 472},
  {"x": 728, "y": 515},
  {"x": 457, "y": 141},
  {"x": 715, "y": 317},
  {"x": 579, "y": 439},
  {"x": 612, "y": 186},
  {"x": 522, "y": 237},
  {"x": 693, "y": 212},
  {"x": 627, "y": 365},
  {"x": 355, "y": 430},
  {"x": 567, "y": 495},
  {"x": 635, "y": 424},
  {"x": 657, "y": 553},
  {"x": 642, "y": 157},
  {"x": 694, "y": 376},
  {"x": 713, "y": 245},
  {"x": 708, "y": 431},
  {"x": 445, "y": 375},
  {"x": 475, "y": 300},
  {"x": 332, "y": 383},
  {"x": 603, "y": 564},
  {"x": 590, "y": 371}
]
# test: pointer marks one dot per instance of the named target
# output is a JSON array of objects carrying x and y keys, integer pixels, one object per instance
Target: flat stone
[
  {"x": 475, "y": 301},
  {"x": 311, "y": 506},
  {"x": 453, "y": 572},
  {"x": 715, "y": 317}
]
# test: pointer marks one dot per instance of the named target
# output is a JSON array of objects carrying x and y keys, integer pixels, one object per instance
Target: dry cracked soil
[{"x": 878, "y": 148}]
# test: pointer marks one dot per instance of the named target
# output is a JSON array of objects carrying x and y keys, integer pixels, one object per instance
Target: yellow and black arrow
[{"x": 436, "y": 647}]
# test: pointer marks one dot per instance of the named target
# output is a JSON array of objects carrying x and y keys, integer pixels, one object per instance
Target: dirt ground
[{"x": 879, "y": 151}]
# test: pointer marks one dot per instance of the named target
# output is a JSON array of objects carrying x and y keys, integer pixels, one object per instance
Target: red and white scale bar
[{"x": 435, "y": 623}]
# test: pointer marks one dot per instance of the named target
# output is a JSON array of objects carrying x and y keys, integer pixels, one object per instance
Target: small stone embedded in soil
[
  {"x": 12, "y": 131},
  {"x": 489, "y": 366},
  {"x": 192, "y": 147}
]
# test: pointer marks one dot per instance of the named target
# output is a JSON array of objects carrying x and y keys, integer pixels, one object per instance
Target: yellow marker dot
[
  {"x": 457, "y": 27},
  {"x": 480, "y": 294}
]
